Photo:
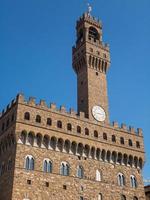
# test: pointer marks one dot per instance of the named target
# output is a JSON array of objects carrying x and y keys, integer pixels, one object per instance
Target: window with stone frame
[
  {"x": 49, "y": 121},
  {"x": 38, "y": 119},
  {"x": 78, "y": 129},
  {"x": 27, "y": 116},
  {"x": 59, "y": 124},
  {"x": 29, "y": 162}
]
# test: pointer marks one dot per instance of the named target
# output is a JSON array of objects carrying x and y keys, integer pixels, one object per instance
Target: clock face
[{"x": 99, "y": 113}]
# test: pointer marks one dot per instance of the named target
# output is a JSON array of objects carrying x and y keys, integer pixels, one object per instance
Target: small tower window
[
  {"x": 27, "y": 116},
  {"x": 86, "y": 131},
  {"x": 130, "y": 143},
  {"x": 78, "y": 129},
  {"x": 121, "y": 140},
  {"x": 38, "y": 119},
  {"x": 113, "y": 138},
  {"x": 137, "y": 144},
  {"x": 95, "y": 134},
  {"x": 104, "y": 136},
  {"x": 59, "y": 124},
  {"x": 69, "y": 127},
  {"x": 49, "y": 121}
]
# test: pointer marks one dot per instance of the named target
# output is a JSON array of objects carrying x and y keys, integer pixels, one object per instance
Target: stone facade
[{"x": 88, "y": 159}]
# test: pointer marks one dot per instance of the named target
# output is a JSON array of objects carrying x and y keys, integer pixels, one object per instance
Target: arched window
[
  {"x": 133, "y": 181},
  {"x": 123, "y": 197},
  {"x": 86, "y": 131},
  {"x": 78, "y": 129},
  {"x": 104, "y": 136},
  {"x": 64, "y": 169},
  {"x": 121, "y": 140},
  {"x": 29, "y": 162},
  {"x": 137, "y": 144},
  {"x": 69, "y": 127},
  {"x": 38, "y": 119},
  {"x": 113, "y": 138},
  {"x": 80, "y": 172},
  {"x": 47, "y": 166},
  {"x": 27, "y": 116},
  {"x": 100, "y": 196},
  {"x": 98, "y": 175},
  {"x": 23, "y": 136},
  {"x": 31, "y": 137},
  {"x": 140, "y": 163},
  {"x": 49, "y": 121},
  {"x": 130, "y": 143},
  {"x": 93, "y": 33},
  {"x": 59, "y": 124},
  {"x": 95, "y": 134},
  {"x": 121, "y": 180},
  {"x": 135, "y": 198}
]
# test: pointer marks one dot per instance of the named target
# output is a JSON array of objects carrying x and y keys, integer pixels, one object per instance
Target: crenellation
[
  {"x": 124, "y": 127},
  {"x": 53, "y": 106},
  {"x": 63, "y": 109},
  {"x": 131, "y": 129},
  {"x": 140, "y": 132},
  {"x": 43, "y": 103},
  {"x": 20, "y": 98},
  {"x": 72, "y": 112},
  {"x": 115, "y": 124},
  {"x": 81, "y": 115},
  {"x": 32, "y": 101}
]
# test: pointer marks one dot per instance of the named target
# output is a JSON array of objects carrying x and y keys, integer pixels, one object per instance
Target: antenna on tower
[{"x": 89, "y": 9}]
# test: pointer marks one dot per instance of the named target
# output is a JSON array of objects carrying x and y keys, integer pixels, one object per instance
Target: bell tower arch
[{"x": 91, "y": 61}]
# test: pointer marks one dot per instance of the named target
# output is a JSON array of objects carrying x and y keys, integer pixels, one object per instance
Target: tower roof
[{"x": 86, "y": 17}]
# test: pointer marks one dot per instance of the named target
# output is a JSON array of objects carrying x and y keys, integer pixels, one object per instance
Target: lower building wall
[
  {"x": 38, "y": 190},
  {"x": 87, "y": 187}
]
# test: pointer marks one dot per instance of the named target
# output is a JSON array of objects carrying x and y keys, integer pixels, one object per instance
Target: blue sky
[{"x": 36, "y": 39}]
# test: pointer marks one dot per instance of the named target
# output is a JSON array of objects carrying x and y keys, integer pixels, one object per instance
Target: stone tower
[{"x": 91, "y": 60}]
